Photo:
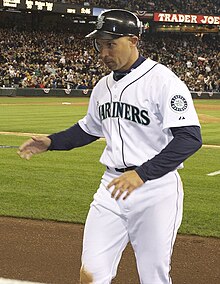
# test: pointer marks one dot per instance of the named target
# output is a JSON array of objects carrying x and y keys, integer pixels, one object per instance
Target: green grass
[
  {"x": 60, "y": 185},
  {"x": 202, "y": 195},
  {"x": 210, "y": 120},
  {"x": 211, "y": 134},
  {"x": 40, "y": 115},
  {"x": 54, "y": 185}
]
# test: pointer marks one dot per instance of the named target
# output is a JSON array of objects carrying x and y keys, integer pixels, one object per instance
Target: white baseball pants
[{"x": 149, "y": 219}]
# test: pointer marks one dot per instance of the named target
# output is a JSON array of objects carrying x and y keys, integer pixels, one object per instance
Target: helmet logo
[{"x": 100, "y": 22}]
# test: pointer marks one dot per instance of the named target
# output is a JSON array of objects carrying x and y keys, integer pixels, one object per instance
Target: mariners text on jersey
[{"x": 125, "y": 111}]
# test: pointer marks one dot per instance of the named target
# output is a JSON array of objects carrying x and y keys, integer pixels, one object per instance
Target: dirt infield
[{"x": 49, "y": 252}]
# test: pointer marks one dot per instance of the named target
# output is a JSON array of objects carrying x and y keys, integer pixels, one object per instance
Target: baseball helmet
[{"x": 116, "y": 23}]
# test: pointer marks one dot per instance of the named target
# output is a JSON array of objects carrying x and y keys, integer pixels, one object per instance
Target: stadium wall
[{"x": 33, "y": 92}]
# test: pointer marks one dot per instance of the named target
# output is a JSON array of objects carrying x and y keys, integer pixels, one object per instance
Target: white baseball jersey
[{"x": 135, "y": 113}]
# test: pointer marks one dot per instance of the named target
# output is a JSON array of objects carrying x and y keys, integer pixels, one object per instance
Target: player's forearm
[
  {"x": 70, "y": 138},
  {"x": 186, "y": 141}
]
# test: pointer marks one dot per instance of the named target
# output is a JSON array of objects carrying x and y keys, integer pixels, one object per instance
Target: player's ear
[{"x": 133, "y": 40}]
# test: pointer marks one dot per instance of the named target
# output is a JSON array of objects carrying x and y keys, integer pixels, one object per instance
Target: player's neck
[{"x": 117, "y": 75}]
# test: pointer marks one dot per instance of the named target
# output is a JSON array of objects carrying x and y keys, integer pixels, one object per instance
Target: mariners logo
[
  {"x": 124, "y": 111},
  {"x": 178, "y": 103},
  {"x": 100, "y": 22}
]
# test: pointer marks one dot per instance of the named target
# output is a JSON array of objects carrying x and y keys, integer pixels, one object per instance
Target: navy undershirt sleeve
[
  {"x": 70, "y": 138},
  {"x": 187, "y": 140}
]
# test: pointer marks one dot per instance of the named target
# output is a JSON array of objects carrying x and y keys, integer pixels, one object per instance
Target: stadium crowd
[
  {"x": 172, "y": 6},
  {"x": 38, "y": 59}
]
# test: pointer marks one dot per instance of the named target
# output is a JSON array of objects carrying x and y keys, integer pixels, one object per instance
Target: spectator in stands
[{"x": 59, "y": 60}]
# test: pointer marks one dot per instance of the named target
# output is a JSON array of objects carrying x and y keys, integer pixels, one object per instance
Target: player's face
[{"x": 118, "y": 54}]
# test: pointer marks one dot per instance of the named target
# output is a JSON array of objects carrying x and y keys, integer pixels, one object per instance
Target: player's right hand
[{"x": 35, "y": 145}]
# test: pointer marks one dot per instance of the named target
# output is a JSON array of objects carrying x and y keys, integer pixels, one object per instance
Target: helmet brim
[{"x": 98, "y": 34}]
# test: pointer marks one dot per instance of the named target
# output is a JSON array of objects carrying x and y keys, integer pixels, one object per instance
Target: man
[{"x": 147, "y": 117}]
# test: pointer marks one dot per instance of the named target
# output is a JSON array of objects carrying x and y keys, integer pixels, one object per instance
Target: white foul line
[{"x": 214, "y": 173}]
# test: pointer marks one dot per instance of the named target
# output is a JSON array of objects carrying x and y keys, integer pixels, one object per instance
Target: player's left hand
[{"x": 127, "y": 182}]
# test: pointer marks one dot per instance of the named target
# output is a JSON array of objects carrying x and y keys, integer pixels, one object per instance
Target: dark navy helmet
[{"x": 116, "y": 23}]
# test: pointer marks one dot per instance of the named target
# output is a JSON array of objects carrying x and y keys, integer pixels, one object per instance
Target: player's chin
[{"x": 111, "y": 65}]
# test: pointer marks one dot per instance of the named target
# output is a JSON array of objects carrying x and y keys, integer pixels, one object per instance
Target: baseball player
[{"x": 146, "y": 114}]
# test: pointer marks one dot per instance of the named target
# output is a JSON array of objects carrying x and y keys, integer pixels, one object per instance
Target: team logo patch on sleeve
[{"x": 178, "y": 103}]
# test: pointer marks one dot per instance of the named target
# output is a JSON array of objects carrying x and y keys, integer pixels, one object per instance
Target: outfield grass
[
  {"x": 202, "y": 195},
  {"x": 210, "y": 120},
  {"x": 54, "y": 185},
  {"x": 60, "y": 185},
  {"x": 40, "y": 115}
]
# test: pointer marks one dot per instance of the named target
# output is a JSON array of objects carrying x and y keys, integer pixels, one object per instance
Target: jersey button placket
[{"x": 115, "y": 92}]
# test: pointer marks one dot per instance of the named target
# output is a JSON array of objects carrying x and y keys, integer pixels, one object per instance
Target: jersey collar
[{"x": 117, "y": 75}]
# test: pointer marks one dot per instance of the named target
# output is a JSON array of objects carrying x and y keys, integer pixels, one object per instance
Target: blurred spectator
[
  {"x": 36, "y": 59},
  {"x": 195, "y": 59}
]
